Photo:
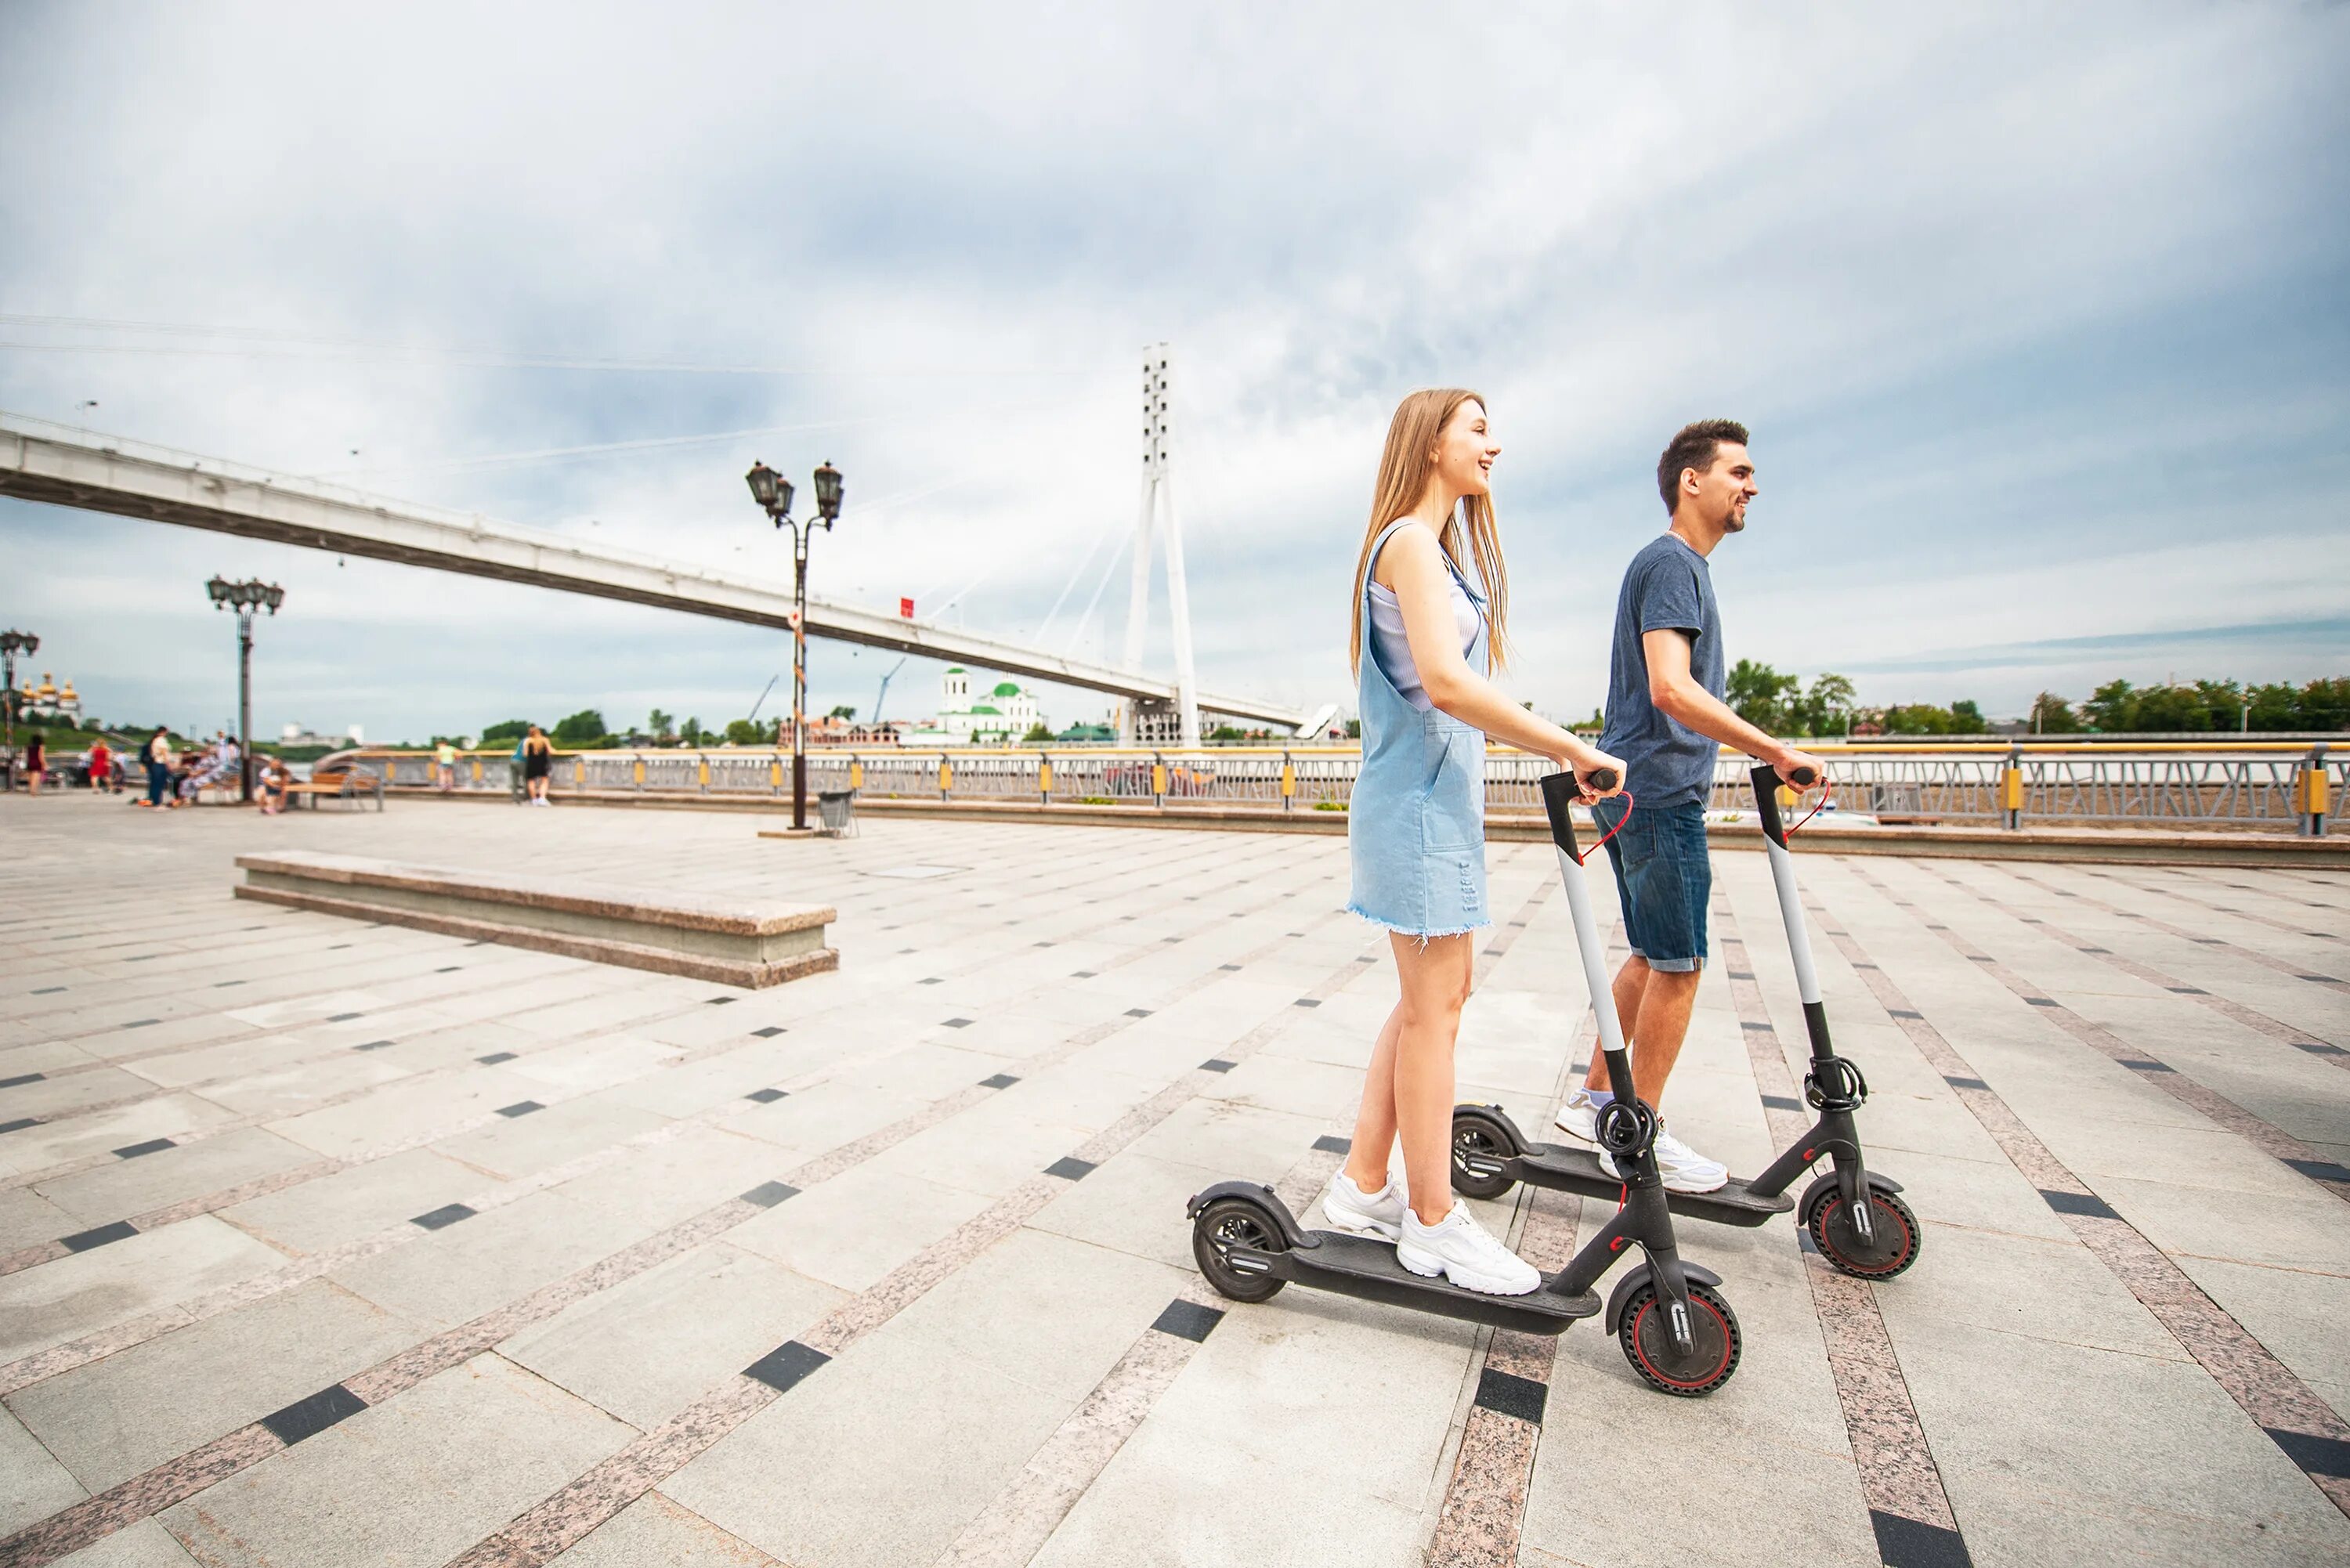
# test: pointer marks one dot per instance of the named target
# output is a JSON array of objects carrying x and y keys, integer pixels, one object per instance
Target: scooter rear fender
[{"x": 1265, "y": 1198}]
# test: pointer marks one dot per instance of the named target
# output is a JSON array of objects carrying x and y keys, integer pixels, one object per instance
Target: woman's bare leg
[
  {"x": 1436, "y": 976},
  {"x": 1375, "y": 1124}
]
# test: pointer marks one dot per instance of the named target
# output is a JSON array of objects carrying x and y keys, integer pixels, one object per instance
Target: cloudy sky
[{"x": 2040, "y": 316}]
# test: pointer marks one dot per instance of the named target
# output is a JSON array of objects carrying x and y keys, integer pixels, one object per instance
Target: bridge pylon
[{"x": 1155, "y": 722}]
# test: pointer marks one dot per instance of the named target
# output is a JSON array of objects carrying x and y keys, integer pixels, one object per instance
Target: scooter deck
[
  {"x": 1365, "y": 1267},
  {"x": 1570, "y": 1167}
]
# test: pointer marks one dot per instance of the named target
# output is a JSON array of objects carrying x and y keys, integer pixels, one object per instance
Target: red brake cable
[
  {"x": 1827, "y": 792},
  {"x": 1612, "y": 832}
]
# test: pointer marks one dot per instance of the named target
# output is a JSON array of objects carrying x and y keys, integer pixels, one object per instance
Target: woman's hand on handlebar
[{"x": 1589, "y": 763}]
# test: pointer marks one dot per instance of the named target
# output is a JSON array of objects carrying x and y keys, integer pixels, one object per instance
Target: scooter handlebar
[
  {"x": 1765, "y": 780},
  {"x": 1558, "y": 792}
]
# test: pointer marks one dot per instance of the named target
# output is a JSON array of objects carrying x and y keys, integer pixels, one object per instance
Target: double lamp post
[
  {"x": 773, "y": 491},
  {"x": 13, "y": 643},
  {"x": 246, "y": 599}
]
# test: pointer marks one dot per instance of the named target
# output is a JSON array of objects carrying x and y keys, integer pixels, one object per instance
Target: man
[{"x": 1667, "y": 720}]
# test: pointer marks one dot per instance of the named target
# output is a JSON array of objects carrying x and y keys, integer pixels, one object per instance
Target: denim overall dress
[{"x": 1416, "y": 825}]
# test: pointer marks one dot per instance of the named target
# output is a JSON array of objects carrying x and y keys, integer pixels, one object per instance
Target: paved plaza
[{"x": 329, "y": 1243}]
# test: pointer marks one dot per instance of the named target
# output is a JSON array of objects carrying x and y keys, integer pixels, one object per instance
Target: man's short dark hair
[{"x": 1694, "y": 447}]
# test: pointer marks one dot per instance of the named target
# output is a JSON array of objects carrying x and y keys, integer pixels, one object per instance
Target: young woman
[
  {"x": 36, "y": 760},
  {"x": 537, "y": 761},
  {"x": 1424, "y": 643}
]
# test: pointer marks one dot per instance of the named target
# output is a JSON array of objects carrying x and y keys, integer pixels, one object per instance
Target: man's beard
[{"x": 1734, "y": 522}]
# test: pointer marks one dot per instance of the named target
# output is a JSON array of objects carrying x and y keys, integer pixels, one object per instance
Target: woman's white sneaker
[
  {"x": 1683, "y": 1169},
  {"x": 1464, "y": 1252},
  {"x": 1359, "y": 1213}
]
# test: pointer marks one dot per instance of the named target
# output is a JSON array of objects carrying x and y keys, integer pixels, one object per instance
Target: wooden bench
[
  {"x": 342, "y": 784},
  {"x": 754, "y": 943}
]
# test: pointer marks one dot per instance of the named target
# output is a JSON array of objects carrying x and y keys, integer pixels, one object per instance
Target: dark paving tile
[
  {"x": 1326, "y": 1143},
  {"x": 1511, "y": 1395},
  {"x": 722, "y": 1001},
  {"x": 1000, "y": 1081},
  {"x": 1189, "y": 1320},
  {"x": 959, "y": 1022},
  {"x": 444, "y": 1217},
  {"x": 372, "y": 1045},
  {"x": 2078, "y": 1203},
  {"x": 769, "y": 1033},
  {"x": 1905, "y": 1542},
  {"x": 520, "y": 1108},
  {"x": 342, "y": 1017},
  {"x": 20, "y": 1124},
  {"x": 767, "y": 1194},
  {"x": 83, "y": 1240},
  {"x": 1218, "y": 1064},
  {"x": 786, "y": 1365},
  {"x": 308, "y": 1418},
  {"x": 764, "y": 1096},
  {"x": 1070, "y": 1168},
  {"x": 49, "y": 990},
  {"x": 1308, "y": 1001},
  {"x": 153, "y": 1146},
  {"x": 22, "y": 1078},
  {"x": 495, "y": 1057},
  {"x": 1138, "y": 1013}
]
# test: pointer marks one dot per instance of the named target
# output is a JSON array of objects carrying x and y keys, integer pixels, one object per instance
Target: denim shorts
[{"x": 1664, "y": 879}]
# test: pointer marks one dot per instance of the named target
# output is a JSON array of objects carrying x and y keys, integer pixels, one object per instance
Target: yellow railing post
[
  {"x": 946, "y": 775},
  {"x": 1288, "y": 781},
  {"x": 1043, "y": 778},
  {"x": 2011, "y": 789},
  {"x": 2310, "y": 795},
  {"x": 856, "y": 773},
  {"x": 1158, "y": 780}
]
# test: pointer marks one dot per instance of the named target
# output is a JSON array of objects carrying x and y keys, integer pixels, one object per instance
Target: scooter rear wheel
[
  {"x": 1647, "y": 1339},
  {"x": 1893, "y": 1248},
  {"x": 1476, "y": 1135},
  {"x": 1226, "y": 1223}
]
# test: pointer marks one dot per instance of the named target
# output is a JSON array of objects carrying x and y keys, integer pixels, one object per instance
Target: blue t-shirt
[{"x": 1666, "y": 586}]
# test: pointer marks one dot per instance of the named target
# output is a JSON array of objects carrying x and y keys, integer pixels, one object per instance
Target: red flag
[{"x": 906, "y": 608}]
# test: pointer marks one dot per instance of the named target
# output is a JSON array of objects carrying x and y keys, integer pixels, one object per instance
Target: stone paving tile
[
  {"x": 91, "y": 1290},
  {"x": 970, "y": 1345},
  {"x": 405, "y": 1486},
  {"x": 116, "y": 1418}
]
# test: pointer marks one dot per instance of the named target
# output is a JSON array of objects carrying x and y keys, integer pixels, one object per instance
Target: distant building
[
  {"x": 1006, "y": 714},
  {"x": 298, "y": 735},
  {"x": 49, "y": 701}
]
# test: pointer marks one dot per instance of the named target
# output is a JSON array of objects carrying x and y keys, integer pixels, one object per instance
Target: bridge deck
[{"x": 330, "y": 1244}]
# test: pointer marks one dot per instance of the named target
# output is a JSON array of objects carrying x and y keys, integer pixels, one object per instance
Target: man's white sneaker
[
  {"x": 1683, "y": 1169},
  {"x": 1464, "y": 1252},
  {"x": 1579, "y": 1117},
  {"x": 1359, "y": 1213}
]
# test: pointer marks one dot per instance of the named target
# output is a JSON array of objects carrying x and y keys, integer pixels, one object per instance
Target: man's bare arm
[{"x": 1677, "y": 696}]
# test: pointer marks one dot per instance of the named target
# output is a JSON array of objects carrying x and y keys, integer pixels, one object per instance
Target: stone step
[{"x": 754, "y": 944}]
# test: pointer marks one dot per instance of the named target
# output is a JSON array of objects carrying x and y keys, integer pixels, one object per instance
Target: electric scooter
[
  {"x": 1676, "y": 1329},
  {"x": 1874, "y": 1239}
]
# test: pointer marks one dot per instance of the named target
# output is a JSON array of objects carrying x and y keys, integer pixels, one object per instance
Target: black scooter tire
[
  {"x": 1899, "y": 1239},
  {"x": 1229, "y": 1220},
  {"x": 1474, "y": 1132},
  {"x": 1714, "y": 1347}
]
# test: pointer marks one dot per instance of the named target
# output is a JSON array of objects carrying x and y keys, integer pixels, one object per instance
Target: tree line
[{"x": 1784, "y": 705}]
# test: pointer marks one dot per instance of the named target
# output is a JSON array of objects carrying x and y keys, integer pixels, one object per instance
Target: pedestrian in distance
[
  {"x": 537, "y": 761},
  {"x": 100, "y": 764},
  {"x": 444, "y": 766},
  {"x": 37, "y": 761},
  {"x": 275, "y": 777},
  {"x": 157, "y": 757},
  {"x": 1667, "y": 720},
  {"x": 1425, "y": 646},
  {"x": 517, "y": 769}
]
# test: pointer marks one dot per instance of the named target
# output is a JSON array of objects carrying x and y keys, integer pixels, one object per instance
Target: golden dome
[
  {"x": 67, "y": 694},
  {"x": 49, "y": 684}
]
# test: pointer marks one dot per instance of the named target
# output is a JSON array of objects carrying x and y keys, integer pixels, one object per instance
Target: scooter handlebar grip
[
  {"x": 1765, "y": 780},
  {"x": 1558, "y": 792},
  {"x": 1601, "y": 778},
  {"x": 1804, "y": 778}
]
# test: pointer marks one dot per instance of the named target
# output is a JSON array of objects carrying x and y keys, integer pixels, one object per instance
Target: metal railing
[{"x": 2284, "y": 786}]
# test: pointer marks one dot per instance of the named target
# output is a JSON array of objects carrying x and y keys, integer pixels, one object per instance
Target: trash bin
[{"x": 837, "y": 808}]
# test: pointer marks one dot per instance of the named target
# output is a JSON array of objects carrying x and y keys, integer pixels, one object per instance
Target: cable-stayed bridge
[{"x": 41, "y": 460}]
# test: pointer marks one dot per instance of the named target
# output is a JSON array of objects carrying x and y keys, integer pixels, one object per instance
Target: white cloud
[{"x": 2037, "y": 315}]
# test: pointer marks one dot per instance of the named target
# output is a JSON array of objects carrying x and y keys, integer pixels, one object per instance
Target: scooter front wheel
[
  {"x": 1231, "y": 1222},
  {"x": 1892, "y": 1248},
  {"x": 1647, "y": 1339}
]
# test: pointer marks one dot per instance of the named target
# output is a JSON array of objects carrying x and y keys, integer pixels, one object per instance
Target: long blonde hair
[{"x": 1404, "y": 468}]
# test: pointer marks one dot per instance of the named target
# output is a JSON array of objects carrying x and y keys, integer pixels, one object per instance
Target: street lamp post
[
  {"x": 246, "y": 599},
  {"x": 13, "y": 643},
  {"x": 773, "y": 491}
]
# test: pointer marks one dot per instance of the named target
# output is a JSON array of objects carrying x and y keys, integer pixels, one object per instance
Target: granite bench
[{"x": 753, "y": 944}]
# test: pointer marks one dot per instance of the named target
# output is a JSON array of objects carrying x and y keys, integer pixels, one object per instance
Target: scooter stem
[{"x": 1558, "y": 792}]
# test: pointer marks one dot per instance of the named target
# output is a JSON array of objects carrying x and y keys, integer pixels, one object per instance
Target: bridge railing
[{"x": 2286, "y": 786}]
